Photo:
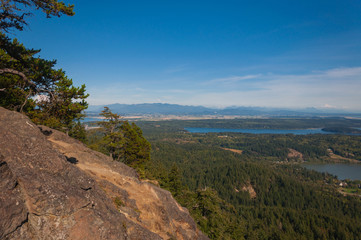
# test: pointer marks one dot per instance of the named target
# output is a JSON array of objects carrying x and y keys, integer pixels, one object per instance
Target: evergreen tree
[
  {"x": 31, "y": 85},
  {"x": 124, "y": 142},
  {"x": 112, "y": 142}
]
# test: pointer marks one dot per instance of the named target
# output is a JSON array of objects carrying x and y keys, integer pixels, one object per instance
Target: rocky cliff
[{"x": 54, "y": 187}]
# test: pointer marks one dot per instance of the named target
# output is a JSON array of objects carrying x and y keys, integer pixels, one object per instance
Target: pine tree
[
  {"x": 32, "y": 85},
  {"x": 123, "y": 141}
]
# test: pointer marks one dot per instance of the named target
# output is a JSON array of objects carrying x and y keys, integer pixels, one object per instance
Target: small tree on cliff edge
[
  {"x": 113, "y": 139},
  {"x": 124, "y": 142}
]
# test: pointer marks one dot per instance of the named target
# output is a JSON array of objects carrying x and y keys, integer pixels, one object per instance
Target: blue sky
[{"x": 214, "y": 53}]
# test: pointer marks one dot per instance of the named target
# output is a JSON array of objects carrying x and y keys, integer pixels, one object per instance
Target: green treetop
[{"x": 14, "y": 12}]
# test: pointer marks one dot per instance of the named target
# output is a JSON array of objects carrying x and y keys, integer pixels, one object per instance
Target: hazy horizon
[{"x": 323, "y": 109}]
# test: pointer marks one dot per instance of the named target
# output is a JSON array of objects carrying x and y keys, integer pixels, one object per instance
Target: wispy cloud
[
  {"x": 232, "y": 79},
  {"x": 328, "y": 106},
  {"x": 176, "y": 69},
  {"x": 344, "y": 73},
  {"x": 336, "y": 88}
]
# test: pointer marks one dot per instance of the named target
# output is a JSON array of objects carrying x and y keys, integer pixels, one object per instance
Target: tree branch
[
  {"x": 26, "y": 100},
  {"x": 15, "y": 72}
]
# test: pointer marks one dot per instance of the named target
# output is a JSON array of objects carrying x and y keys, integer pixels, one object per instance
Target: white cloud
[
  {"x": 344, "y": 73},
  {"x": 41, "y": 98},
  {"x": 176, "y": 69},
  {"x": 329, "y": 106},
  {"x": 232, "y": 79},
  {"x": 337, "y": 88}
]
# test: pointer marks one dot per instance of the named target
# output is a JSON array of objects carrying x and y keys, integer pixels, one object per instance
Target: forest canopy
[{"x": 257, "y": 192}]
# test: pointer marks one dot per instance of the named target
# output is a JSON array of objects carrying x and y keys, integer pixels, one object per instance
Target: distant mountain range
[{"x": 157, "y": 109}]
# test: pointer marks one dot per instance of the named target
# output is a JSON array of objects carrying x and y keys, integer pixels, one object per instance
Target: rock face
[{"x": 54, "y": 187}]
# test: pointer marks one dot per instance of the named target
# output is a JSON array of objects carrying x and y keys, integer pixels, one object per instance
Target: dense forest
[
  {"x": 278, "y": 147},
  {"x": 248, "y": 186}
]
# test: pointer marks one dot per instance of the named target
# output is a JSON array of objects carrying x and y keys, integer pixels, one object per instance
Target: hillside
[{"x": 54, "y": 187}]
